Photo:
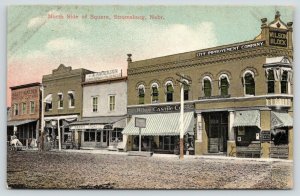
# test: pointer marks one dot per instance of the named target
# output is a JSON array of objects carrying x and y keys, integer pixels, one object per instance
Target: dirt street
[{"x": 70, "y": 170}]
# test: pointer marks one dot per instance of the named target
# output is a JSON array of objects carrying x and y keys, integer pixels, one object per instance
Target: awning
[
  {"x": 280, "y": 119},
  {"x": 99, "y": 122},
  {"x": 247, "y": 118},
  {"x": 19, "y": 122},
  {"x": 48, "y": 99},
  {"x": 161, "y": 124}
]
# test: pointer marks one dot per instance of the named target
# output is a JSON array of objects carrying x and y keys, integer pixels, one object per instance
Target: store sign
[
  {"x": 140, "y": 122},
  {"x": 103, "y": 75},
  {"x": 278, "y": 38},
  {"x": 87, "y": 126},
  {"x": 231, "y": 49},
  {"x": 265, "y": 136},
  {"x": 159, "y": 109}
]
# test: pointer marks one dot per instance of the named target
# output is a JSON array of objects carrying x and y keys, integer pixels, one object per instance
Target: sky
[{"x": 37, "y": 44}]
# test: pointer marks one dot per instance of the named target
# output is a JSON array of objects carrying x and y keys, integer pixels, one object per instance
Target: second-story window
[
  {"x": 141, "y": 92},
  {"x": 71, "y": 99},
  {"x": 95, "y": 104},
  {"x": 16, "y": 109},
  {"x": 207, "y": 87},
  {"x": 154, "y": 93},
  {"x": 48, "y": 100},
  {"x": 24, "y": 108},
  {"x": 170, "y": 91},
  {"x": 271, "y": 81},
  {"x": 32, "y": 107},
  {"x": 249, "y": 83},
  {"x": 224, "y": 85},
  {"x": 60, "y": 101},
  {"x": 112, "y": 102},
  {"x": 186, "y": 90},
  {"x": 284, "y": 82}
]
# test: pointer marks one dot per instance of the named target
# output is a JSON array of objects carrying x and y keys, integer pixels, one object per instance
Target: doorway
[{"x": 217, "y": 131}]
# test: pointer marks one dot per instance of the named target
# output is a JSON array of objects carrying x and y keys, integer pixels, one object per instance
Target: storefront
[
  {"x": 162, "y": 131},
  {"x": 99, "y": 132}
]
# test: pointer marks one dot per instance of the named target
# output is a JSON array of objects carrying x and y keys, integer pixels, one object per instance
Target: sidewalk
[{"x": 171, "y": 156}]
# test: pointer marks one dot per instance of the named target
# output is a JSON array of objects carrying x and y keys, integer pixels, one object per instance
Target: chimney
[
  {"x": 277, "y": 15},
  {"x": 129, "y": 60}
]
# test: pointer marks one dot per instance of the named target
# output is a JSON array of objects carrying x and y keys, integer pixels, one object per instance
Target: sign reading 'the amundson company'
[
  {"x": 159, "y": 109},
  {"x": 114, "y": 73},
  {"x": 231, "y": 49}
]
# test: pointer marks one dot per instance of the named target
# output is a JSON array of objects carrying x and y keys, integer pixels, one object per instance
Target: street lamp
[{"x": 184, "y": 82}]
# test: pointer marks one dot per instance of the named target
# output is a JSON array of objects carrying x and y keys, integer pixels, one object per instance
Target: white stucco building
[{"x": 104, "y": 110}]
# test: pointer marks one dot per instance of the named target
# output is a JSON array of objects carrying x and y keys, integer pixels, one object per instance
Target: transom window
[
  {"x": 271, "y": 81},
  {"x": 249, "y": 83},
  {"x": 112, "y": 102}
]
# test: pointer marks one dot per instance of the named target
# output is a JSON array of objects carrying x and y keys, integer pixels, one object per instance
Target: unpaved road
[{"x": 70, "y": 170}]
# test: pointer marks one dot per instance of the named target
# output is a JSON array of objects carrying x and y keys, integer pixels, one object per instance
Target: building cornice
[{"x": 268, "y": 51}]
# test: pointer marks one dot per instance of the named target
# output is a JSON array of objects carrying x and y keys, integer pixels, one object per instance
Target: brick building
[
  {"x": 238, "y": 102},
  {"x": 62, "y": 102},
  {"x": 25, "y": 113}
]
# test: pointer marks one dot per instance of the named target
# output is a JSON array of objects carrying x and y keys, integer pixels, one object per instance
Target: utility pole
[
  {"x": 183, "y": 81},
  {"x": 42, "y": 119}
]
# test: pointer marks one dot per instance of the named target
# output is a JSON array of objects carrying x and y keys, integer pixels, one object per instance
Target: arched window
[
  {"x": 224, "y": 84},
  {"x": 207, "y": 86},
  {"x": 141, "y": 92},
  {"x": 249, "y": 83},
  {"x": 271, "y": 81},
  {"x": 284, "y": 82},
  {"x": 154, "y": 93},
  {"x": 170, "y": 91},
  {"x": 186, "y": 90}
]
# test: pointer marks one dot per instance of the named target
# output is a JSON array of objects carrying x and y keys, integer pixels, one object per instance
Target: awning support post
[
  {"x": 181, "y": 122},
  {"x": 140, "y": 140}
]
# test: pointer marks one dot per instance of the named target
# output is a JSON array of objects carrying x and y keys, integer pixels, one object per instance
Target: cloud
[
  {"x": 62, "y": 44},
  {"x": 36, "y": 22}
]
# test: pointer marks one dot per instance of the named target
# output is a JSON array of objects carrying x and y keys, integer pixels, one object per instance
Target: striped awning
[
  {"x": 247, "y": 118},
  {"x": 161, "y": 124},
  {"x": 280, "y": 119}
]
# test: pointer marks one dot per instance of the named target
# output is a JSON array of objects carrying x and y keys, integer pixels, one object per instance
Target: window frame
[
  {"x": 32, "y": 111},
  {"x": 154, "y": 85},
  {"x": 169, "y": 93},
  {"x": 221, "y": 86},
  {"x": 16, "y": 109},
  {"x": 110, "y": 104},
  {"x": 23, "y": 108},
  {"x": 95, "y": 105},
  {"x": 141, "y": 97},
  {"x": 270, "y": 81},
  {"x": 286, "y": 82},
  {"x": 207, "y": 78},
  {"x": 60, "y": 101},
  {"x": 71, "y": 99},
  {"x": 246, "y": 84}
]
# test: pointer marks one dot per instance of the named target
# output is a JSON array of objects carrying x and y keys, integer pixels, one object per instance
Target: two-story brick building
[
  {"x": 24, "y": 120},
  {"x": 104, "y": 110},
  {"x": 239, "y": 100},
  {"x": 62, "y": 102}
]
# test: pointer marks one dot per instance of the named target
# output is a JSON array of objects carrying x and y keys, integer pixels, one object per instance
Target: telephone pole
[{"x": 184, "y": 81}]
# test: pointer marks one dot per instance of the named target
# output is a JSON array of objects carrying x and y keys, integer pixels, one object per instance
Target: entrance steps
[{"x": 221, "y": 154}]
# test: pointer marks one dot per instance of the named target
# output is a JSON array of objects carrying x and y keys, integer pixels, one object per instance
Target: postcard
[{"x": 150, "y": 97}]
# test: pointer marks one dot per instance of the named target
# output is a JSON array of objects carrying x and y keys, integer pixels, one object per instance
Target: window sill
[{"x": 60, "y": 108}]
